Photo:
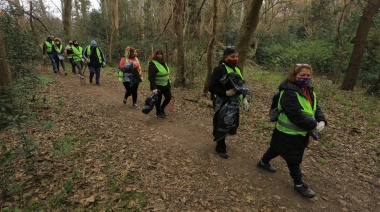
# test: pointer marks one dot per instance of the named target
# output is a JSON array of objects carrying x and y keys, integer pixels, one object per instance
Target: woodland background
[{"x": 340, "y": 39}]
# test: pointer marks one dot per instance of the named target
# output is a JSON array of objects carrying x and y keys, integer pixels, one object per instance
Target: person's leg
[
  {"x": 299, "y": 185},
  {"x": 158, "y": 104},
  {"x": 72, "y": 65},
  {"x": 63, "y": 65},
  {"x": 221, "y": 148},
  {"x": 92, "y": 72},
  {"x": 57, "y": 62},
  {"x": 53, "y": 63},
  {"x": 134, "y": 93},
  {"x": 97, "y": 73},
  {"x": 128, "y": 91},
  {"x": 168, "y": 96},
  {"x": 79, "y": 66}
]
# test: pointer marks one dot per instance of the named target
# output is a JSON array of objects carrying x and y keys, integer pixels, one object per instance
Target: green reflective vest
[
  {"x": 285, "y": 125},
  {"x": 69, "y": 55},
  {"x": 49, "y": 47},
  {"x": 230, "y": 70},
  {"x": 120, "y": 73},
  {"x": 97, "y": 52},
  {"x": 77, "y": 57},
  {"x": 162, "y": 77}
]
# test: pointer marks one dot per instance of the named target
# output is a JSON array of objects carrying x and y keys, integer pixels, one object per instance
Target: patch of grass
[
  {"x": 63, "y": 146},
  {"x": 138, "y": 197},
  {"x": 61, "y": 102},
  {"x": 112, "y": 185},
  {"x": 57, "y": 200},
  {"x": 130, "y": 176},
  {"x": 44, "y": 79},
  {"x": 344, "y": 101},
  {"x": 15, "y": 188},
  {"x": 328, "y": 144},
  {"x": 370, "y": 136},
  {"x": 322, "y": 161},
  {"x": 47, "y": 125}
]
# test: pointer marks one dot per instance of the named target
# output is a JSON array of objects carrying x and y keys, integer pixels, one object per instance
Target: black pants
[
  {"x": 166, "y": 92},
  {"x": 221, "y": 146},
  {"x": 294, "y": 168},
  {"x": 57, "y": 61},
  {"x": 72, "y": 65},
  {"x": 131, "y": 90}
]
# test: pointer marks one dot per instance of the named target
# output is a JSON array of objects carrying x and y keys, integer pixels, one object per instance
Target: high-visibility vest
[
  {"x": 49, "y": 47},
  {"x": 120, "y": 73},
  {"x": 69, "y": 55},
  {"x": 77, "y": 56},
  {"x": 97, "y": 52},
  {"x": 230, "y": 70},
  {"x": 286, "y": 126},
  {"x": 162, "y": 77}
]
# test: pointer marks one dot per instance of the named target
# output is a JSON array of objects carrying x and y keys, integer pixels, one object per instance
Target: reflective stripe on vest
[
  {"x": 162, "y": 77},
  {"x": 230, "y": 70},
  {"x": 77, "y": 53},
  {"x": 97, "y": 52},
  {"x": 285, "y": 125},
  {"x": 49, "y": 47}
]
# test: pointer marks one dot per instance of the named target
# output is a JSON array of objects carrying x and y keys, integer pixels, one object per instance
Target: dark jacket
[
  {"x": 215, "y": 86},
  {"x": 292, "y": 147},
  {"x": 152, "y": 72},
  {"x": 94, "y": 59}
]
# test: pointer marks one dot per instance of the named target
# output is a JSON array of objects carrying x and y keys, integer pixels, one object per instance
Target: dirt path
[{"x": 172, "y": 163}]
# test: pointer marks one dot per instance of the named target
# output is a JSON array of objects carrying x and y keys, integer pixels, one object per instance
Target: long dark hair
[{"x": 155, "y": 53}]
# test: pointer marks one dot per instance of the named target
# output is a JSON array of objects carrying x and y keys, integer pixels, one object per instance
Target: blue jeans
[
  {"x": 51, "y": 56},
  {"x": 95, "y": 71}
]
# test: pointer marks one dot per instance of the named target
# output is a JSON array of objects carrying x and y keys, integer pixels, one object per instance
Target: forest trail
[{"x": 171, "y": 163}]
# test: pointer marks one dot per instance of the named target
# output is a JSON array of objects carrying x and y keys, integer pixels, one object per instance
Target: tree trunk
[
  {"x": 247, "y": 28},
  {"x": 178, "y": 12},
  {"x": 114, "y": 18},
  {"x": 360, "y": 41},
  {"x": 66, "y": 19},
  {"x": 210, "y": 47},
  {"x": 43, "y": 9},
  {"x": 5, "y": 72},
  {"x": 83, "y": 9}
]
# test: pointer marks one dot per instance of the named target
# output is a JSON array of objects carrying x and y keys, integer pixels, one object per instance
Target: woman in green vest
[
  {"x": 58, "y": 56},
  {"x": 159, "y": 81},
  {"x": 225, "y": 95},
  {"x": 300, "y": 117}
]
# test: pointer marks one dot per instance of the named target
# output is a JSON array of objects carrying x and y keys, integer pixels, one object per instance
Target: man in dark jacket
[{"x": 95, "y": 60}]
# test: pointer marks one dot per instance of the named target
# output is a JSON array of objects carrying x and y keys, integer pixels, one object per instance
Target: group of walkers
[
  {"x": 299, "y": 116},
  {"x": 299, "y": 113},
  {"x": 91, "y": 57}
]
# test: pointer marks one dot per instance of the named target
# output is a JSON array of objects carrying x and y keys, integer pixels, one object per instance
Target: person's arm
[
  {"x": 122, "y": 63},
  {"x": 84, "y": 53},
  {"x": 292, "y": 108},
  {"x": 152, "y": 71},
  {"x": 102, "y": 55},
  {"x": 215, "y": 87}
]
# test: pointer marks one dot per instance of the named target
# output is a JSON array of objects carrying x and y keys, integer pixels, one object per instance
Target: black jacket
[
  {"x": 292, "y": 108},
  {"x": 215, "y": 86},
  {"x": 152, "y": 72}
]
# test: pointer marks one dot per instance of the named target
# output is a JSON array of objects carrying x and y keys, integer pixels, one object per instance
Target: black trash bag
[
  {"x": 226, "y": 118},
  {"x": 149, "y": 103},
  {"x": 234, "y": 80}
]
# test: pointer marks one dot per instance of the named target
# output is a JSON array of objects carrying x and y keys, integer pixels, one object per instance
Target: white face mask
[{"x": 57, "y": 43}]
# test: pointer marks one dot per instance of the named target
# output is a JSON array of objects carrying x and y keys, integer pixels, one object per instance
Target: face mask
[
  {"x": 57, "y": 43},
  {"x": 70, "y": 43},
  {"x": 303, "y": 81},
  {"x": 76, "y": 45},
  {"x": 232, "y": 63}
]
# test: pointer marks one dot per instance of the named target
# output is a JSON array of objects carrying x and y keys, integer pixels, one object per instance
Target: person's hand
[
  {"x": 231, "y": 92},
  {"x": 245, "y": 104},
  {"x": 155, "y": 91},
  {"x": 88, "y": 60},
  {"x": 44, "y": 56},
  {"x": 320, "y": 126},
  {"x": 142, "y": 79},
  {"x": 82, "y": 60},
  {"x": 104, "y": 64},
  {"x": 58, "y": 51}
]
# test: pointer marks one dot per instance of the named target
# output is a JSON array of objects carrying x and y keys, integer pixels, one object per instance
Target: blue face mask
[{"x": 303, "y": 81}]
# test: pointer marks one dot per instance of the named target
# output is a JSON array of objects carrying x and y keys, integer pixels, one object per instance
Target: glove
[
  {"x": 320, "y": 126},
  {"x": 82, "y": 60},
  {"x": 142, "y": 79},
  {"x": 58, "y": 51},
  {"x": 44, "y": 56},
  {"x": 155, "y": 91},
  {"x": 88, "y": 60},
  {"x": 245, "y": 104},
  {"x": 231, "y": 92},
  {"x": 104, "y": 64}
]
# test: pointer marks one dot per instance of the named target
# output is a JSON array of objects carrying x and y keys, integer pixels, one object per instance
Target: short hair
[
  {"x": 229, "y": 50},
  {"x": 296, "y": 70}
]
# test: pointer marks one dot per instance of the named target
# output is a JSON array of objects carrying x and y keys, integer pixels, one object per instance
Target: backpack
[{"x": 274, "y": 112}]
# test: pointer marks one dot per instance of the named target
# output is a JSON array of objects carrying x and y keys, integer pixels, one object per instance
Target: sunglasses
[{"x": 230, "y": 47}]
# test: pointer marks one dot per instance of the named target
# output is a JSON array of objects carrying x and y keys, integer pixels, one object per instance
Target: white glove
[
  {"x": 245, "y": 104},
  {"x": 104, "y": 64},
  {"x": 58, "y": 51},
  {"x": 155, "y": 91},
  {"x": 320, "y": 126},
  {"x": 231, "y": 92},
  {"x": 44, "y": 56},
  {"x": 142, "y": 79},
  {"x": 88, "y": 60},
  {"x": 82, "y": 60}
]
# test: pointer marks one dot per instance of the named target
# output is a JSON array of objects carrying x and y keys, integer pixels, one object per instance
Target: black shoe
[
  {"x": 136, "y": 106},
  {"x": 267, "y": 167},
  {"x": 223, "y": 154},
  {"x": 163, "y": 112},
  {"x": 305, "y": 190},
  {"x": 98, "y": 84},
  {"x": 124, "y": 101},
  {"x": 91, "y": 81},
  {"x": 160, "y": 116}
]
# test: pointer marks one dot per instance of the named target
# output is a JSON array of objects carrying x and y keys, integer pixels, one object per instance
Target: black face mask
[
  {"x": 70, "y": 43},
  {"x": 76, "y": 45}
]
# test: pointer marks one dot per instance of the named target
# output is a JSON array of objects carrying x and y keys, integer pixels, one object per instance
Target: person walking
[
  {"x": 223, "y": 94},
  {"x": 58, "y": 56},
  {"x": 48, "y": 48},
  {"x": 78, "y": 57},
  {"x": 95, "y": 59},
  {"x": 300, "y": 117},
  {"x": 159, "y": 81},
  {"x": 132, "y": 75},
  {"x": 69, "y": 52}
]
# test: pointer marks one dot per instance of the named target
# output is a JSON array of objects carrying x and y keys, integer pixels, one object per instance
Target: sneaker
[
  {"x": 98, "y": 84},
  {"x": 136, "y": 106},
  {"x": 267, "y": 167},
  {"x": 163, "y": 112},
  {"x": 305, "y": 190},
  {"x": 160, "y": 116},
  {"x": 124, "y": 101},
  {"x": 55, "y": 71},
  {"x": 82, "y": 77}
]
